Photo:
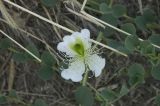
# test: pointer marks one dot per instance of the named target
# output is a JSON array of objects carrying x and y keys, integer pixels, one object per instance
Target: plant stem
[
  {"x": 85, "y": 78},
  {"x": 95, "y": 90}
]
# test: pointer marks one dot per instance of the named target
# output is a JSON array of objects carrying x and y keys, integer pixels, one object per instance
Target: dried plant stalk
[{"x": 7, "y": 16}]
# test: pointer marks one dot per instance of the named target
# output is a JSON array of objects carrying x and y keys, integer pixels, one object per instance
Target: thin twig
[
  {"x": 49, "y": 16},
  {"x": 83, "y": 5},
  {"x": 140, "y": 6},
  {"x": 86, "y": 18},
  {"x": 34, "y": 94},
  {"x": 11, "y": 77},
  {"x": 21, "y": 46}
]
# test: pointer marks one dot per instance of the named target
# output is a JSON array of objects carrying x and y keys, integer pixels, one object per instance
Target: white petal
[
  {"x": 85, "y": 33},
  {"x": 68, "y": 39},
  {"x": 65, "y": 74},
  {"x": 96, "y": 64},
  {"x": 76, "y": 78},
  {"x": 75, "y": 34},
  {"x": 74, "y": 71},
  {"x": 85, "y": 36},
  {"x": 69, "y": 74},
  {"x": 63, "y": 47}
]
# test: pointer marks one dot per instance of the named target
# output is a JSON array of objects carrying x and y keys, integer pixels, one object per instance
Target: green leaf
[
  {"x": 113, "y": 43},
  {"x": 140, "y": 22},
  {"x": 156, "y": 72},
  {"x": 149, "y": 15},
  {"x": 45, "y": 72},
  {"x": 124, "y": 50},
  {"x": 49, "y": 3},
  {"x": 33, "y": 49},
  {"x": 129, "y": 27},
  {"x": 131, "y": 42},
  {"x": 3, "y": 99},
  {"x": 136, "y": 74},
  {"x": 119, "y": 10},
  {"x": 84, "y": 96},
  {"x": 20, "y": 57},
  {"x": 48, "y": 59},
  {"x": 109, "y": 94},
  {"x": 105, "y": 9},
  {"x": 109, "y": 18},
  {"x": 5, "y": 43},
  {"x": 157, "y": 100},
  {"x": 146, "y": 47},
  {"x": 40, "y": 102},
  {"x": 155, "y": 39}
]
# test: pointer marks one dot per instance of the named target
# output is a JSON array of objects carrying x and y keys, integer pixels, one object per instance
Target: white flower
[{"x": 78, "y": 47}]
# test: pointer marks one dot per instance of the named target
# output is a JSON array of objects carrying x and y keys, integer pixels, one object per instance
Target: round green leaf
[
  {"x": 129, "y": 27},
  {"x": 105, "y": 9},
  {"x": 119, "y": 10},
  {"x": 146, "y": 47},
  {"x": 48, "y": 59},
  {"x": 131, "y": 42},
  {"x": 109, "y": 18},
  {"x": 140, "y": 22},
  {"x": 49, "y": 3},
  {"x": 84, "y": 96},
  {"x": 113, "y": 43},
  {"x": 45, "y": 72},
  {"x": 136, "y": 74},
  {"x": 156, "y": 72},
  {"x": 149, "y": 15},
  {"x": 155, "y": 39},
  {"x": 40, "y": 102}
]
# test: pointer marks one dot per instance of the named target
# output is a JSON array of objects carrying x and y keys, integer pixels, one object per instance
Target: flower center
[{"x": 78, "y": 47}]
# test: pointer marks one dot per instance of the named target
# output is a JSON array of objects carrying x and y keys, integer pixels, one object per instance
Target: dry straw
[
  {"x": 7, "y": 16},
  {"x": 20, "y": 46},
  {"x": 60, "y": 26}
]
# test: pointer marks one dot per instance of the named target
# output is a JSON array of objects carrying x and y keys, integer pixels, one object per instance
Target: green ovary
[{"x": 78, "y": 47}]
